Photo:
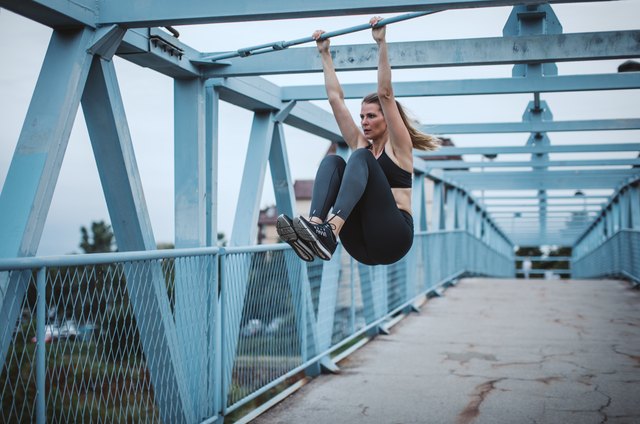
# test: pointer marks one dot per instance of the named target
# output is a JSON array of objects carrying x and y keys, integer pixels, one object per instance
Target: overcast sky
[{"x": 148, "y": 100}]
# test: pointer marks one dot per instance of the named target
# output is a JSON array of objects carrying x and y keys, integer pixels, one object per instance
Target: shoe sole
[
  {"x": 307, "y": 235},
  {"x": 287, "y": 233}
]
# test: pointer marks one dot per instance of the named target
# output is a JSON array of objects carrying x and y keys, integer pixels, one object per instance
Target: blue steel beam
[
  {"x": 167, "y": 12},
  {"x": 190, "y": 203},
  {"x": 520, "y": 205},
  {"x": 257, "y": 94},
  {"x": 115, "y": 158},
  {"x": 34, "y": 169},
  {"x": 467, "y": 87},
  {"x": 59, "y": 14},
  {"x": 501, "y": 150},
  {"x": 439, "y": 53},
  {"x": 281, "y": 45},
  {"x": 535, "y": 197},
  {"x": 35, "y": 166},
  {"x": 547, "y": 180},
  {"x": 155, "y": 49},
  {"x": 457, "y": 164},
  {"x": 189, "y": 162},
  {"x": 297, "y": 271},
  {"x": 534, "y": 127}
]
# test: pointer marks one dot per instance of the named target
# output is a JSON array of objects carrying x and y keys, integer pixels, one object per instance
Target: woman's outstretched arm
[
  {"x": 398, "y": 133},
  {"x": 348, "y": 128}
]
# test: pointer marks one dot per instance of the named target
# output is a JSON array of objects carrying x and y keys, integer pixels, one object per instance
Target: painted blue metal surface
[
  {"x": 30, "y": 182},
  {"x": 111, "y": 141},
  {"x": 164, "y": 12},
  {"x": 610, "y": 247},
  {"x": 542, "y": 126},
  {"x": 281, "y": 45},
  {"x": 467, "y": 87},
  {"x": 196, "y": 346},
  {"x": 493, "y": 150},
  {"x": 439, "y": 53}
]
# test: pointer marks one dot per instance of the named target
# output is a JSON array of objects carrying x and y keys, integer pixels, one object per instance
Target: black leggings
[{"x": 375, "y": 231}]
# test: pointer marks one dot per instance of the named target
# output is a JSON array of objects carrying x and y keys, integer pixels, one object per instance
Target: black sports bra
[{"x": 397, "y": 177}]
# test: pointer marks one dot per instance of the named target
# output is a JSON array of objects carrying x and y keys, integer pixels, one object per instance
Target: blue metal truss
[{"x": 77, "y": 69}]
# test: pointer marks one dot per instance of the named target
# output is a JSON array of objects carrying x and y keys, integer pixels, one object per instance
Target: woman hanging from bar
[{"x": 370, "y": 195}]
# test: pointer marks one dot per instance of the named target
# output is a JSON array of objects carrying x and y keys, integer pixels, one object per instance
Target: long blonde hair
[{"x": 419, "y": 139}]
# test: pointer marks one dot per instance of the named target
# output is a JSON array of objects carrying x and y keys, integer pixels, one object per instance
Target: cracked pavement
[{"x": 491, "y": 351}]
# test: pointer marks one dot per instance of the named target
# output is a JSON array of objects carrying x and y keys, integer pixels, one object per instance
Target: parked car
[
  {"x": 252, "y": 328},
  {"x": 68, "y": 329}
]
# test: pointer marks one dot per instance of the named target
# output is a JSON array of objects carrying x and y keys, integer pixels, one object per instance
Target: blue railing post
[{"x": 41, "y": 286}]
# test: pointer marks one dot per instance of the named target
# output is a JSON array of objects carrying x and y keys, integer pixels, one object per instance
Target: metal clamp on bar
[{"x": 281, "y": 45}]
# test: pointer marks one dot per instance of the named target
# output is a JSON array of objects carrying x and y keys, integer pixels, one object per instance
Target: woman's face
[{"x": 372, "y": 121}]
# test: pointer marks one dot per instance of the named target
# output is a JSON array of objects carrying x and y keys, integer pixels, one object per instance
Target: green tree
[{"x": 101, "y": 239}]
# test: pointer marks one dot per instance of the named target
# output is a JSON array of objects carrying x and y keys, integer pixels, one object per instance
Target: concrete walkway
[{"x": 491, "y": 351}]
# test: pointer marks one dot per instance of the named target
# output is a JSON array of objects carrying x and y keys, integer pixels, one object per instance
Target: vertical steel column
[
  {"x": 450, "y": 208},
  {"x": 462, "y": 205},
  {"x": 372, "y": 299},
  {"x": 212, "y": 110},
  {"x": 41, "y": 346},
  {"x": 534, "y": 20},
  {"x": 189, "y": 162},
  {"x": 190, "y": 184},
  {"x": 418, "y": 205},
  {"x": 214, "y": 303},
  {"x": 634, "y": 206},
  {"x": 438, "y": 208},
  {"x": 625, "y": 216},
  {"x": 616, "y": 214}
]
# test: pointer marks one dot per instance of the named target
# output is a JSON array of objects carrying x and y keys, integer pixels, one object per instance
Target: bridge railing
[
  {"x": 611, "y": 245},
  {"x": 193, "y": 335}
]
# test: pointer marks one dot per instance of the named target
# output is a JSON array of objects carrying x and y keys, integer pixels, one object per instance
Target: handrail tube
[{"x": 281, "y": 45}]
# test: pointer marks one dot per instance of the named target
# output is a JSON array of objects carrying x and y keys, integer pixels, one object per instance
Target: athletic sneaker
[
  {"x": 285, "y": 230},
  {"x": 319, "y": 237}
]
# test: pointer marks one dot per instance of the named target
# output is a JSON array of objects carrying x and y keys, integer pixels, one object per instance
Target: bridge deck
[{"x": 491, "y": 351}]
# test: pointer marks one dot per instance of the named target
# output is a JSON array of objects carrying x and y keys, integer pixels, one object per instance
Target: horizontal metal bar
[
  {"x": 102, "y": 258},
  {"x": 540, "y": 174},
  {"x": 467, "y": 87},
  {"x": 534, "y": 127},
  {"x": 539, "y": 196},
  {"x": 545, "y": 180},
  {"x": 509, "y": 150},
  {"x": 281, "y": 45},
  {"x": 442, "y": 53},
  {"x": 544, "y": 258},
  {"x": 168, "y": 12},
  {"x": 544, "y": 271},
  {"x": 494, "y": 206},
  {"x": 457, "y": 164}
]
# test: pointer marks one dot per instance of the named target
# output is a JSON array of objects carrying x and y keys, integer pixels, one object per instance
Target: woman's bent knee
[
  {"x": 333, "y": 161},
  {"x": 361, "y": 154}
]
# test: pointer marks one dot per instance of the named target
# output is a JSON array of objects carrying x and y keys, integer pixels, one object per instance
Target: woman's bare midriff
[{"x": 403, "y": 198}]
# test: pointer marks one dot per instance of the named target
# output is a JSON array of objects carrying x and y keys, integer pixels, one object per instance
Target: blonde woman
[{"x": 367, "y": 200}]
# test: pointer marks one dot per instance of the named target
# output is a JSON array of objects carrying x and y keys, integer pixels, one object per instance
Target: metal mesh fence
[
  {"x": 186, "y": 337},
  {"x": 272, "y": 328},
  {"x": 617, "y": 256},
  {"x": 95, "y": 365}
]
